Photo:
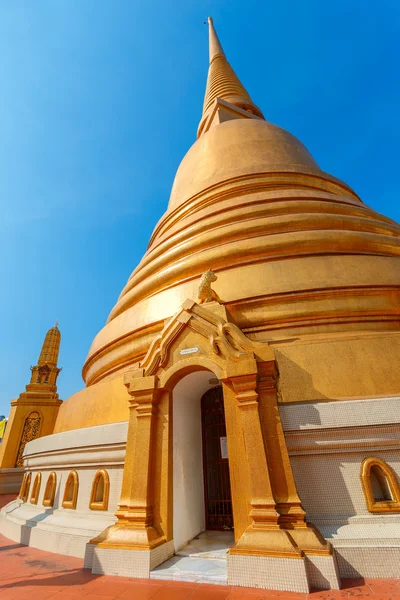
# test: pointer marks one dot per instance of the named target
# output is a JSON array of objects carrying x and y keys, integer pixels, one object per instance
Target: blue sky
[{"x": 100, "y": 101}]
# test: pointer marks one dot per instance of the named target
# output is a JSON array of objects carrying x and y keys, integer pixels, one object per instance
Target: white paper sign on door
[{"x": 224, "y": 447}]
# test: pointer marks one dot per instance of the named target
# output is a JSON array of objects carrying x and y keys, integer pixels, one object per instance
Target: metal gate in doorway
[{"x": 217, "y": 487}]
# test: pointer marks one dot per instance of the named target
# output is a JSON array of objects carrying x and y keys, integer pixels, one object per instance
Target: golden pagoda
[
  {"x": 33, "y": 413},
  {"x": 246, "y": 384}
]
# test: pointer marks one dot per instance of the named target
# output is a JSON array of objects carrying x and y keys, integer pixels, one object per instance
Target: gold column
[
  {"x": 283, "y": 484},
  {"x": 264, "y": 536},
  {"x": 262, "y": 501},
  {"x": 288, "y": 504},
  {"x": 135, "y": 527}
]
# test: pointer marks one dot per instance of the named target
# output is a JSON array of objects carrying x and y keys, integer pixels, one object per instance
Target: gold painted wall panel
[
  {"x": 364, "y": 366},
  {"x": 102, "y": 403}
]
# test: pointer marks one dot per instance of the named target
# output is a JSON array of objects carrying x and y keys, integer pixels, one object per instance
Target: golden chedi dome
[{"x": 299, "y": 258}]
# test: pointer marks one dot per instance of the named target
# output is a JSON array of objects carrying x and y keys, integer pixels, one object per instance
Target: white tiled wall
[{"x": 327, "y": 442}]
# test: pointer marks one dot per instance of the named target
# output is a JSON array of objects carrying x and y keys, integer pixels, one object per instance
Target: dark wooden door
[{"x": 217, "y": 487}]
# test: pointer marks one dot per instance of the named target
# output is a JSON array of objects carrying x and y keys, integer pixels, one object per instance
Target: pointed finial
[
  {"x": 223, "y": 83},
  {"x": 214, "y": 43},
  {"x": 56, "y": 323}
]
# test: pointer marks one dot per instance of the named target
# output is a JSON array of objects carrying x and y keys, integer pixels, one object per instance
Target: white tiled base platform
[
  {"x": 203, "y": 560},
  {"x": 199, "y": 570},
  {"x": 268, "y": 572},
  {"x": 374, "y": 562},
  {"x": 209, "y": 544},
  {"x": 322, "y": 572},
  {"x": 129, "y": 563},
  {"x": 62, "y": 531}
]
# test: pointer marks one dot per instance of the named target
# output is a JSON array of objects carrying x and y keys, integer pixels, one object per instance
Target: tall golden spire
[
  {"x": 51, "y": 347},
  {"x": 213, "y": 41},
  {"x": 222, "y": 81}
]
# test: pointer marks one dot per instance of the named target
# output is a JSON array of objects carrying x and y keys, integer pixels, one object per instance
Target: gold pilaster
[
  {"x": 135, "y": 527},
  {"x": 262, "y": 502},
  {"x": 284, "y": 487},
  {"x": 265, "y": 535},
  {"x": 288, "y": 504}
]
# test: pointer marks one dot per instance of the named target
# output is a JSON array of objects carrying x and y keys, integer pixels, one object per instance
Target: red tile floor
[{"x": 37, "y": 575}]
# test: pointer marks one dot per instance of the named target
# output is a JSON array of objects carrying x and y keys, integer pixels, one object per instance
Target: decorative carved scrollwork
[
  {"x": 43, "y": 374},
  {"x": 30, "y": 432},
  {"x": 225, "y": 338}
]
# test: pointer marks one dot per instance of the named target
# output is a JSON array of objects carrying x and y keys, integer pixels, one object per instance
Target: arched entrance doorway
[{"x": 201, "y": 484}]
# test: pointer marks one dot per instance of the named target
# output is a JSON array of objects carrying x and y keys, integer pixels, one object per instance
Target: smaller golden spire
[{"x": 51, "y": 347}]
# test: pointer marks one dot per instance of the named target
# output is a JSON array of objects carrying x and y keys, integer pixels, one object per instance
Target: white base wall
[
  {"x": 327, "y": 442},
  {"x": 57, "y": 529},
  {"x": 51, "y": 531}
]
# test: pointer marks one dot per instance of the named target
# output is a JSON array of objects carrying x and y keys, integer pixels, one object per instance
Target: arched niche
[
  {"x": 380, "y": 485},
  {"x": 36, "y": 489},
  {"x": 25, "y": 486},
  {"x": 100, "y": 491},
  {"x": 71, "y": 491},
  {"x": 50, "y": 490}
]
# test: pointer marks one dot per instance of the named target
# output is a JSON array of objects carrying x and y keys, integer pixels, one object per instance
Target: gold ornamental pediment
[{"x": 215, "y": 336}]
